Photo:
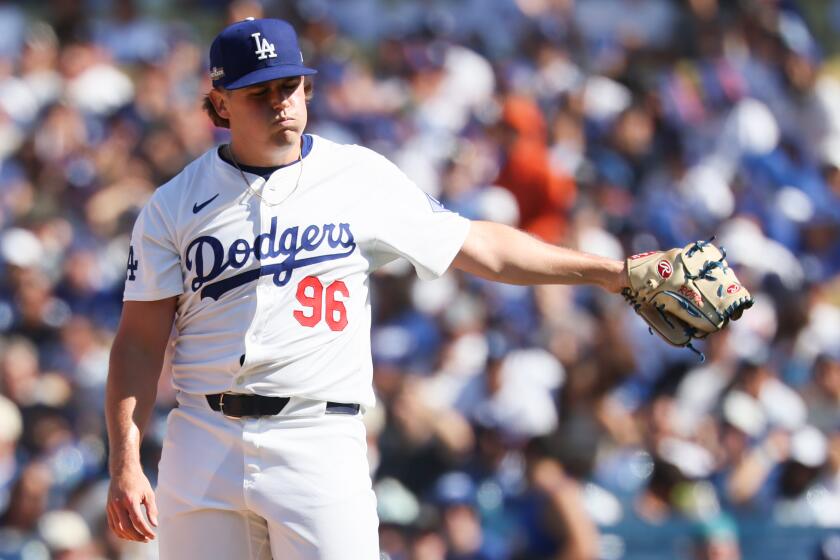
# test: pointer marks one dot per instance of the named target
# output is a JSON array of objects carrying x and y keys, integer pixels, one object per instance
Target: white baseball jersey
[{"x": 273, "y": 295}]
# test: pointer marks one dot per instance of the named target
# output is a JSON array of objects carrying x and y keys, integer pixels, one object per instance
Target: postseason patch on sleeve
[{"x": 435, "y": 204}]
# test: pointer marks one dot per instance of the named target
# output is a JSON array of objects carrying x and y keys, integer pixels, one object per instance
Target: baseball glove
[{"x": 685, "y": 293}]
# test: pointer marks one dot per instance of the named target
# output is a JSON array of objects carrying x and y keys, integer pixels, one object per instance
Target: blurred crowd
[{"x": 513, "y": 423}]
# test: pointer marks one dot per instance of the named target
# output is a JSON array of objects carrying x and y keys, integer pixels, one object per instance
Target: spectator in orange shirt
[{"x": 544, "y": 195}]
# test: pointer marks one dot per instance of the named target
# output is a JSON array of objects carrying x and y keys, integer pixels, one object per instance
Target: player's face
[{"x": 273, "y": 112}]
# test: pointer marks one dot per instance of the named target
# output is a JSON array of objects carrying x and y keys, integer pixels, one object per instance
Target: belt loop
[{"x": 342, "y": 408}]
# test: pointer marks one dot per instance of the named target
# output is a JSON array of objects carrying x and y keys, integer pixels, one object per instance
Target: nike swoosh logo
[{"x": 199, "y": 207}]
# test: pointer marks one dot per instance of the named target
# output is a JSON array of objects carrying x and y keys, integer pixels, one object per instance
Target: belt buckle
[{"x": 222, "y": 408}]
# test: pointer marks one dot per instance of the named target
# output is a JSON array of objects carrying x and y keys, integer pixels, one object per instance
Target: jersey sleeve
[
  {"x": 413, "y": 225},
  {"x": 154, "y": 265}
]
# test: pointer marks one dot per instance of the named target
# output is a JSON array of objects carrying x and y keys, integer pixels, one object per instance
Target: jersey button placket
[
  {"x": 250, "y": 336},
  {"x": 262, "y": 291}
]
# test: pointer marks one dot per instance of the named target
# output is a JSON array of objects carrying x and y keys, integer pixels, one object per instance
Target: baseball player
[{"x": 259, "y": 252}]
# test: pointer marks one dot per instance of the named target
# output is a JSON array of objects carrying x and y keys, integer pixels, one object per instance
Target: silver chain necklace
[{"x": 255, "y": 192}]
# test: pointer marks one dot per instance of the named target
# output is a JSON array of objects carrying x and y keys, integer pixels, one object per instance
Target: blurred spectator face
[
  {"x": 633, "y": 133},
  {"x": 820, "y": 234},
  {"x": 40, "y": 313},
  {"x": 719, "y": 548},
  {"x": 29, "y": 497},
  {"x": 62, "y": 133},
  {"x": 462, "y": 529},
  {"x": 79, "y": 337},
  {"x": 392, "y": 541},
  {"x": 125, "y": 10},
  {"x": 719, "y": 348},
  {"x": 567, "y": 129},
  {"x": 834, "y": 451},
  {"x": 662, "y": 417},
  {"x": 164, "y": 150},
  {"x": 703, "y": 9},
  {"x": 19, "y": 371},
  {"x": 427, "y": 65},
  {"x": 428, "y": 546},
  {"x": 827, "y": 377},
  {"x": 81, "y": 271},
  {"x": 735, "y": 442},
  {"x": 78, "y": 57},
  {"x": 800, "y": 72},
  {"x": 472, "y": 165},
  {"x": 47, "y": 430},
  {"x": 455, "y": 496},
  {"x": 410, "y": 413},
  {"x": 40, "y": 52},
  {"x": 832, "y": 177},
  {"x": 152, "y": 100},
  {"x": 241, "y": 9},
  {"x": 11, "y": 427},
  {"x": 491, "y": 446},
  {"x": 196, "y": 139},
  {"x": 753, "y": 378}
]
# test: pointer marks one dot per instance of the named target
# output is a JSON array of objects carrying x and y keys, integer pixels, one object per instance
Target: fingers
[
  {"x": 151, "y": 509},
  {"x": 126, "y": 518},
  {"x": 117, "y": 525},
  {"x": 127, "y": 529},
  {"x": 112, "y": 523},
  {"x": 138, "y": 519}
]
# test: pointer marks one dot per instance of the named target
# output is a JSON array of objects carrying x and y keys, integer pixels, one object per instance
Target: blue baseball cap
[
  {"x": 252, "y": 51},
  {"x": 455, "y": 488}
]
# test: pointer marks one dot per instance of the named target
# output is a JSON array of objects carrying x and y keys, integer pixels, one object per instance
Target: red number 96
[{"x": 312, "y": 295}]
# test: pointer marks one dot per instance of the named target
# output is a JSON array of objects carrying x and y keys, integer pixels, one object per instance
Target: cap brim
[{"x": 270, "y": 73}]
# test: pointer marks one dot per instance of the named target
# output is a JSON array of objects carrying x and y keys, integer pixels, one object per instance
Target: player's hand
[{"x": 128, "y": 496}]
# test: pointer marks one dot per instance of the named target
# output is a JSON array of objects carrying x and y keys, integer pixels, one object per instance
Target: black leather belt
[{"x": 235, "y": 405}]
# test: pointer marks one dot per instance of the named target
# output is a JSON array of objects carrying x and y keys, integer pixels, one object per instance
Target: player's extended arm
[
  {"x": 504, "y": 254},
  {"x": 135, "y": 366}
]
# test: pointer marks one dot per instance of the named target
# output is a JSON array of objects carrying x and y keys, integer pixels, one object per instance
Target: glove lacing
[
  {"x": 708, "y": 266},
  {"x": 630, "y": 296},
  {"x": 690, "y": 331},
  {"x": 698, "y": 246}
]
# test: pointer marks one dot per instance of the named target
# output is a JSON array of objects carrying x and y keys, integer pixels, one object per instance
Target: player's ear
[{"x": 219, "y": 100}]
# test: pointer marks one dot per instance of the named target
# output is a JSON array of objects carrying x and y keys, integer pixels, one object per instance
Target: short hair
[{"x": 222, "y": 122}]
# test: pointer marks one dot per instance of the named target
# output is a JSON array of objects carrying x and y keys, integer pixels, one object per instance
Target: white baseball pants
[{"x": 292, "y": 486}]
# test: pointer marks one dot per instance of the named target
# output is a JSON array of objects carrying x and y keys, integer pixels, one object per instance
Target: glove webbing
[{"x": 689, "y": 330}]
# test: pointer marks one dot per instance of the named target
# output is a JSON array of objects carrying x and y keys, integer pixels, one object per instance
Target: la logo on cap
[
  {"x": 254, "y": 51},
  {"x": 264, "y": 48}
]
